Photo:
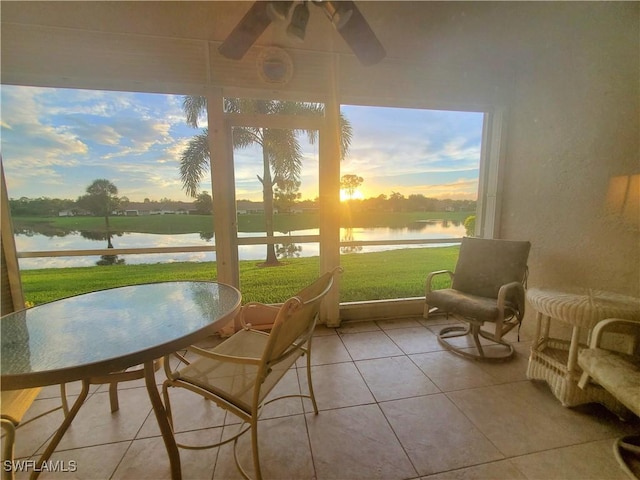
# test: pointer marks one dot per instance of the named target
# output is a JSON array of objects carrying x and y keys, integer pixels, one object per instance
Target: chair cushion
[
  {"x": 484, "y": 265},
  {"x": 471, "y": 306},
  {"x": 15, "y": 403},
  {"x": 234, "y": 382},
  {"x": 618, "y": 373}
]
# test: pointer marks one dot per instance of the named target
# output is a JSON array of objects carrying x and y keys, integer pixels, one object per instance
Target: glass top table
[{"x": 110, "y": 330}]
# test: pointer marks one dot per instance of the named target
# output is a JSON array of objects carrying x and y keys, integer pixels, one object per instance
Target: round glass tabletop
[{"x": 109, "y": 330}]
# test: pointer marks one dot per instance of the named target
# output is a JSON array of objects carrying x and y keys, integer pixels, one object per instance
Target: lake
[{"x": 37, "y": 242}]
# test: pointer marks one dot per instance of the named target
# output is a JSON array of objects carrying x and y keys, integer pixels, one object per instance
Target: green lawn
[{"x": 367, "y": 276}]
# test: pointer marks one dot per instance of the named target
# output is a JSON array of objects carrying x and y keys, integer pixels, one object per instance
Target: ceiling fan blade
[
  {"x": 359, "y": 36},
  {"x": 254, "y": 22}
]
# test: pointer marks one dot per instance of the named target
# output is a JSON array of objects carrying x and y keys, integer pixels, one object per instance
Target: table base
[
  {"x": 66, "y": 423},
  {"x": 159, "y": 411}
]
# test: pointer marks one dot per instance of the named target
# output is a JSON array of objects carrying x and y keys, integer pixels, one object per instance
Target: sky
[{"x": 55, "y": 142}]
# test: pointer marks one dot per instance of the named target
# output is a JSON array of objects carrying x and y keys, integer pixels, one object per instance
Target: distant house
[
  {"x": 305, "y": 206},
  {"x": 244, "y": 207},
  {"x": 75, "y": 212},
  {"x": 304, "y": 209},
  {"x": 135, "y": 209}
]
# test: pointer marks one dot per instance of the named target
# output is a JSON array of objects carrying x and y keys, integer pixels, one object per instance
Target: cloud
[
  {"x": 55, "y": 136},
  {"x": 56, "y": 141},
  {"x": 98, "y": 134},
  {"x": 35, "y": 142},
  {"x": 433, "y": 153},
  {"x": 173, "y": 151}
]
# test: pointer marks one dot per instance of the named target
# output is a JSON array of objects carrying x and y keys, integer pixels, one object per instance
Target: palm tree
[{"x": 281, "y": 151}]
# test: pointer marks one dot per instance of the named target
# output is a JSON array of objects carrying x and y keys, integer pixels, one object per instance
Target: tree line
[
  {"x": 396, "y": 202},
  {"x": 93, "y": 205}
]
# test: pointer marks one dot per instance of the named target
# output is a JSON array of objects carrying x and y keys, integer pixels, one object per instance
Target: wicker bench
[{"x": 619, "y": 374}]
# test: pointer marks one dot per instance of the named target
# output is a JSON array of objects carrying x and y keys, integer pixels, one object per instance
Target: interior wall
[{"x": 574, "y": 124}]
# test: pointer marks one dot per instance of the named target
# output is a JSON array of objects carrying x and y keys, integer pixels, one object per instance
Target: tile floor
[{"x": 393, "y": 405}]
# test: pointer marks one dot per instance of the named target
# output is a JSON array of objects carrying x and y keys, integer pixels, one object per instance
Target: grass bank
[{"x": 367, "y": 276}]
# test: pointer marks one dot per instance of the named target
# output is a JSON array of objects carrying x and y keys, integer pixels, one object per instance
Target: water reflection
[
  {"x": 109, "y": 259},
  {"x": 37, "y": 241},
  {"x": 430, "y": 224},
  {"x": 101, "y": 236},
  {"x": 44, "y": 230},
  {"x": 347, "y": 236}
]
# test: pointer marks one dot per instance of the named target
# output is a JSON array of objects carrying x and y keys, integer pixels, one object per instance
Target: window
[
  {"x": 276, "y": 173},
  {"x": 409, "y": 184},
  {"x": 411, "y": 179},
  {"x": 57, "y": 142}
]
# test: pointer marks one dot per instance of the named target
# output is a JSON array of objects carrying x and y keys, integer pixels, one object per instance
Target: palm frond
[
  {"x": 285, "y": 153},
  {"x": 281, "y": 147},
  {"x": 193, "y": 106},
  {"x": 246, "y": 136},
  {"x": 232, "y": 105},
  {"x": 194, "y": 163},
  {"x": 346, "y": 135}
]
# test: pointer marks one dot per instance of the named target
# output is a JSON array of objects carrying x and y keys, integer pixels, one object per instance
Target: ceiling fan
[{"x": 344, "y": 16}]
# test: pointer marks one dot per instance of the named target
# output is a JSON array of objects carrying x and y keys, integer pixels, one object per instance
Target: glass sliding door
[
  {"x": 409, "y": 194},
  {"x": 94, "y": 181},
  {"x": 276, "y": 172}
]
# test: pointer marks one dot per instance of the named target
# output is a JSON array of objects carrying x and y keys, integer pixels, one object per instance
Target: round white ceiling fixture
[{"x": 275, "y": 65}]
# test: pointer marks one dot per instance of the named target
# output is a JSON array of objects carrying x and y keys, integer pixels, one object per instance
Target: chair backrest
[
  {"x": 297, "y": 317},
  {"x": 484, "y": 265},
  {"x": 11, "y": 297}
]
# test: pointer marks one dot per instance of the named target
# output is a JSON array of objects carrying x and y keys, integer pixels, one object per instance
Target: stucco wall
[{"x": 574, "y": 124}]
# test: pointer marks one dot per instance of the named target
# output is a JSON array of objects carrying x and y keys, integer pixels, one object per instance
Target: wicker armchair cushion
[
  {"x": 618, "y": 373},
  {"x": 470, "y": 306}
]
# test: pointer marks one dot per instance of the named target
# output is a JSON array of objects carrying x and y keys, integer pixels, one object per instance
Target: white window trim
[{"x": 491, "y": 175}]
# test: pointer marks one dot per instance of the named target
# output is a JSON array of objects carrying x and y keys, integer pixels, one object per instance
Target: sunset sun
[{"x": 346, "y": 195}]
